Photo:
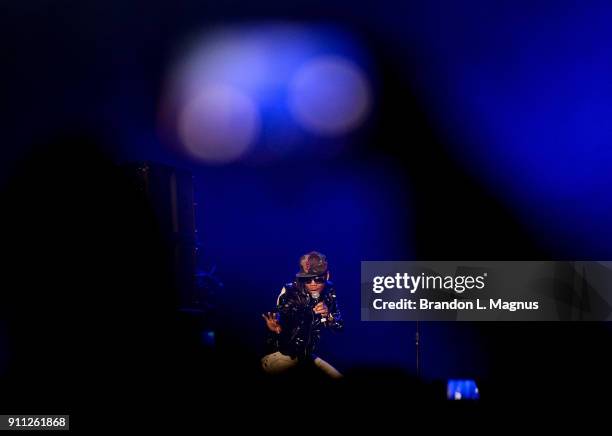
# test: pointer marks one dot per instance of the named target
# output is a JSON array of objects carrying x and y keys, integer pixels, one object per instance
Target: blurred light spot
[
  {"x": 329, "y": 96},
  {"x": 462, "y": 390},
  {"x": 219, "y": 125},
  {"x": 275, "y": 83},
  {"x": 208, "y": 338}
]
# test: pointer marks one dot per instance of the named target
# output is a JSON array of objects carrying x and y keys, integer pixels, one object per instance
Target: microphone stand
[{"x": 417, "y": 344}]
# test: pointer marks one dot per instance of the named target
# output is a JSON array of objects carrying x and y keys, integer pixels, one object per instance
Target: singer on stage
[{"x": 304, "y": 308}]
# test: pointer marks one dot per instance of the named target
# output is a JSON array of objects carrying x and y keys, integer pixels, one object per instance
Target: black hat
[{"x": 312, "y": 264}]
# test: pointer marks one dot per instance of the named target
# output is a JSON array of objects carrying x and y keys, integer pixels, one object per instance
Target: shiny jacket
[{"x": 301, "y": 327}]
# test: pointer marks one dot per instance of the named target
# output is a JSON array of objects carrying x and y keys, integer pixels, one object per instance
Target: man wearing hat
[{"x": 304, "y": 308}]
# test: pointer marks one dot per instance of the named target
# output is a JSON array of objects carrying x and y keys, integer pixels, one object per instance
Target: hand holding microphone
[{"x": 320, "y": 307}]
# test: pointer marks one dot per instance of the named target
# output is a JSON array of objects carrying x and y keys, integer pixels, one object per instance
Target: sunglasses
[{"x": 318, "y": 280}]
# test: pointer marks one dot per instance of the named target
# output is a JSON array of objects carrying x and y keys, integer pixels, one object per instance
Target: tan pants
[{"x": 278, "y": 362}]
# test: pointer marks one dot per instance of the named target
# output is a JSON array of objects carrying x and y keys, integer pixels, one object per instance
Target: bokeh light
[
  {"x": 266, "y": 91},
  {"x": 329, "y": 96},
  {"x": 219, "y": 125}
]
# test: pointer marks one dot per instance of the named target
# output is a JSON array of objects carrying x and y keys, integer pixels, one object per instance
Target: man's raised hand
[{"x": 272, "y": 322}]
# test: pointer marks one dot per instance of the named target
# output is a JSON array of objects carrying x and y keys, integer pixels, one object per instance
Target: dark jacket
[{"x": 301, "y": 327}]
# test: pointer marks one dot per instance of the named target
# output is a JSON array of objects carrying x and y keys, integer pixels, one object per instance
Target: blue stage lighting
[
  {"x": 528, "y": 111},
  {"x": 462, "y": 390}
]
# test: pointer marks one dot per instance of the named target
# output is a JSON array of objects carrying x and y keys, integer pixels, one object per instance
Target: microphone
[{"x": 316, "y": 298}]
